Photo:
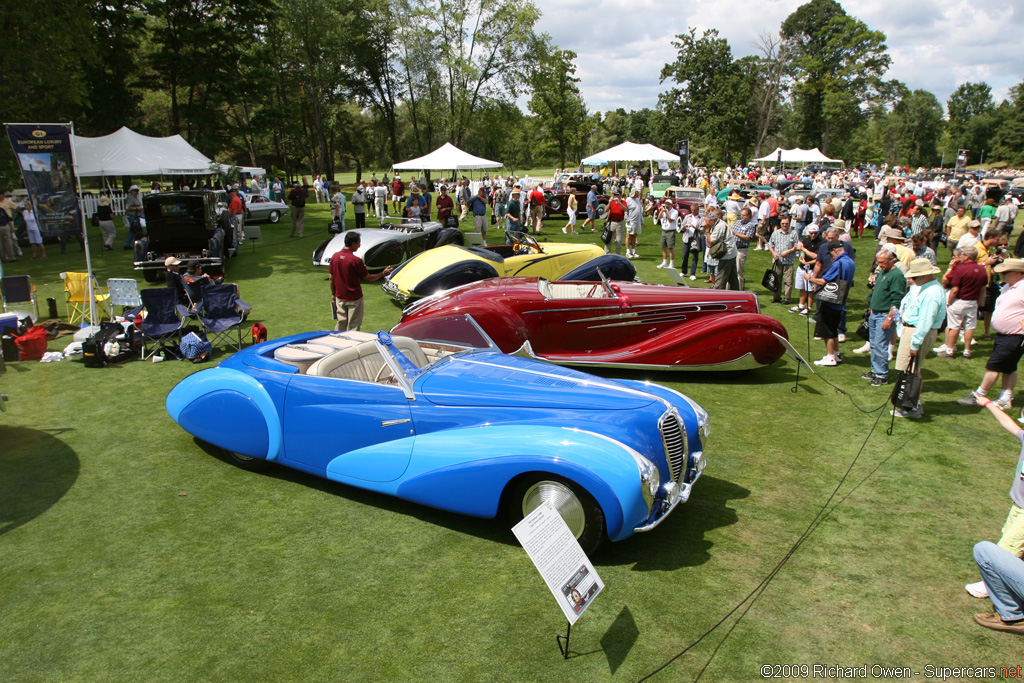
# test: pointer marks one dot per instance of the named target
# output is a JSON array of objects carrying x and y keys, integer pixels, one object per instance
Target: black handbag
[
  {"x": 833, "y": 292},
  {"x": 906, "y": 393},
  {"x": 607, "y": 233},
  {"x": 770, "y": 281}
]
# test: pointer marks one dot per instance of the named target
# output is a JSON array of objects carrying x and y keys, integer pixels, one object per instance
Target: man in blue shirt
[
  {"x": 591, "y": 209},
  {"x": 922, "y": 312},
  {"x": 830, "y": 315},
  {"x": 478, "y": 204}
]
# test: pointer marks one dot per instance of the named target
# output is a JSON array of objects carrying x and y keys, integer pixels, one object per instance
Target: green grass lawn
[{"x": 131, "y": 552}]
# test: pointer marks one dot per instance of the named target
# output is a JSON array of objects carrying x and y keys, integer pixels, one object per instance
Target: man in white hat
[
  {"x": 173, "y": 278},
  {"x": 133, "y": 214},
  {"x": 1008, "y": 347},
  {"x": 921, "y": 314}
]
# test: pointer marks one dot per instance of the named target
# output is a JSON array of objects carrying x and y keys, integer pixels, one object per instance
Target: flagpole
[{"x": 90, "y": 292}]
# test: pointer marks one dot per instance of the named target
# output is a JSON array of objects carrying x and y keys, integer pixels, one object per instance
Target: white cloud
[{"x": 622, "y": 45}]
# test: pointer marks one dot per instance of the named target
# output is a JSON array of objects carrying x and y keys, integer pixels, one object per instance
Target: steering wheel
[
  {"x": 531, "y": 243},
  {"x": 379, "y": 378}
]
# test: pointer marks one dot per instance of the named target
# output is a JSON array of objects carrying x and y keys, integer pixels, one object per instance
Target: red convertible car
[{"x": 609, "y": 324}]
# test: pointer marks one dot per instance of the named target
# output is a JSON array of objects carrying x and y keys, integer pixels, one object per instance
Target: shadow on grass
[
  {"x": 489, "y": 529},
  {"x": 676, "y": 542},
  {"x": 619, "y": 639},
  {"x": 36, "y": 470},
  {"x": 679, "y": 540}
]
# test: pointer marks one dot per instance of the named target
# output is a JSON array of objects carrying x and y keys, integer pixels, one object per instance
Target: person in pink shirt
[{"x": 1008, "y": 347}]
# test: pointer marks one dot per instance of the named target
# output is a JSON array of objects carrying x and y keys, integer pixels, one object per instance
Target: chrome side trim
[{"x": 392, "y": 423}]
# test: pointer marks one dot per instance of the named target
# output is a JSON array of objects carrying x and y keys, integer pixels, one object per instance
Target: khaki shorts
[
  {"x": 537, "y": 212},
  {"x": 903, "y": 351},
  {"x": 962, "y": 314}
]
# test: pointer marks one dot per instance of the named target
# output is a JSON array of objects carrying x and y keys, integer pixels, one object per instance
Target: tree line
[{"x": 313, "y": 85}]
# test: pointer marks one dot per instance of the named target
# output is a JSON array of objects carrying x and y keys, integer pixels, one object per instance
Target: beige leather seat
[
  {"x": 343, "y": 340},
  {"x": 302, "y": 356},
  {"x": 364, "y": 362}
]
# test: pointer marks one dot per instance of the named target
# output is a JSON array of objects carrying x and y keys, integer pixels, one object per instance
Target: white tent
[
  {"x": 125, "y": 152},
  {"x": 797, "y": 155},
  {"x": 631, "y": 151},
  {"x": 447, "y": 157}
]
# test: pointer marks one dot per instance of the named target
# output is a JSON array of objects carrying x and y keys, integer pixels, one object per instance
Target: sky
[{"x": 937, "y": 45}]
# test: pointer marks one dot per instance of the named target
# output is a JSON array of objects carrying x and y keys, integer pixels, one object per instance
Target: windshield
[{"x": 459, "y": 330}]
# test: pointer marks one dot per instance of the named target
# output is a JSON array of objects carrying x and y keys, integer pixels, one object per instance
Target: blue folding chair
[
  {"x": 162, "y": 325},
  {"x": 221, "y": 313},
  {"x": 18, "y": 290}
]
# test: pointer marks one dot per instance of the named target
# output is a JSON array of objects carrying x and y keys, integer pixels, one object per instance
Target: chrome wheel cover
[{"x": 562, "y": 498}]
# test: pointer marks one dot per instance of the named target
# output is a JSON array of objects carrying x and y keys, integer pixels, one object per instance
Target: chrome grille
[{"x": 673, "y": 438}]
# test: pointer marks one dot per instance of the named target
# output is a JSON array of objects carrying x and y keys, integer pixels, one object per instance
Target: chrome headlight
[{"x": 650, "y": 480}]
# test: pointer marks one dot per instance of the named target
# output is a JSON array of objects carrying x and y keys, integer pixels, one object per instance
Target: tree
[
  {"x": 916, "y": 122},
  {"x": 557, "y": 102},
  {"x": 711, "y": 103},
  {"x": 472, "y": 51},
  {"x": 768, "y": 86},
  {"x": 837, "y": 64},
  {"x": 971, "y": 120},
  {"x": 1008, "y": 142}
]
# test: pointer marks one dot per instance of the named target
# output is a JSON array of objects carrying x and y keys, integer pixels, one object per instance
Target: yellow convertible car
[{"x": 450, "y": 266}]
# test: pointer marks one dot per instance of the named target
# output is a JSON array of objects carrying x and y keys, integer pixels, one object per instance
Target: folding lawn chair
[
  {"x": 472, "y": 239},
  {"x": 18, "y": 290},
  {"x": 76, "y": 296},
  {"x": 124, "y": 292},
  {"x": 221, "y": 313},
  {"x": 163, "y": 322}
]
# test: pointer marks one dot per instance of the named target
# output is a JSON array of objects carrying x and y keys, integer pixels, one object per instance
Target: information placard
[{"x": 560, "y": 560}]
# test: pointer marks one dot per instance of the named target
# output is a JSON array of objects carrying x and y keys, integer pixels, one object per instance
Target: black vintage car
[{"x": 186, "y": 225}]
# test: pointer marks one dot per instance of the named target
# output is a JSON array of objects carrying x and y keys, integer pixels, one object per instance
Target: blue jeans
[
  {"x": 879, "y": 344},
  {"x": 1003, "y": 574}
]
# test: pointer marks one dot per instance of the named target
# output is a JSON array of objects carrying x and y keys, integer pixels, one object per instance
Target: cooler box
[{"x": 8, "y": 323}]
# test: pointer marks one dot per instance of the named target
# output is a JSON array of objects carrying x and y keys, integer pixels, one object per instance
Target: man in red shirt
[
  {"x": 444, "y": 205},
  {"x": 773, "y": 215},
  {"x": 616, "y": 221},
  {"x": 537, "y": 207},
  {"x": 236, "y": 210},
  {"x": 397, "y": 194},
  {"x": 347, "y": 273},
  {"x": 967, "y": 282}
]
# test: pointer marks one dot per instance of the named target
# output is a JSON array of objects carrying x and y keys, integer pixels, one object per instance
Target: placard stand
[
  {"x": 795, "y": 355},
  {"x": 560, "y": 639}
]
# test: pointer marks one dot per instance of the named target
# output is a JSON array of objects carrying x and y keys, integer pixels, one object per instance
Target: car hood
[{"x": 497, "y": 380}]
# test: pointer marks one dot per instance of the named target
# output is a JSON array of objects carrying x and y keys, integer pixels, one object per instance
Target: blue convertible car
[{"x": 456, "y": 425}]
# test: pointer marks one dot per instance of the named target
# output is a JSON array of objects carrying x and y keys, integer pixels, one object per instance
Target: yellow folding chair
[{"x": 76, "y": 298}]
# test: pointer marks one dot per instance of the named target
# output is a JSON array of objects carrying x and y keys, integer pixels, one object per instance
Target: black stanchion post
[{"x": 563, "y": 641}]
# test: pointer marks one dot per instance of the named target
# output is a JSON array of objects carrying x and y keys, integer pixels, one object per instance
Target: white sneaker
[
  {"x": 670, "y": 266},
  {"x": 795, "y": 309},
  {"x": 842, "y": 338},
  {"x": 693, "y": 277},
  {"x": 890, "y": 353},
  {"x": 828, "y": 361},
  {"x": 977, "y": 590},
  {"x": 565, "y": 231},
  {"x": 860, "y": 350},
  {"x": 662, "y": 264},
  {"x": 943, "y": 349}
]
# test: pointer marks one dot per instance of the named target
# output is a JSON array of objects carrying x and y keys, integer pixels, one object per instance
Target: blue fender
[
  {"x": 230, "y": 409},
  {"x": 468, "y": 470}
]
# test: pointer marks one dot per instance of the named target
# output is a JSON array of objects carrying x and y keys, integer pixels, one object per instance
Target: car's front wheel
[
  {"x": 248, "y": 463},
  {"x": 274, "y": 216},
  {"x": 555, "y": 204},
  {"x": 578, "y": 508}
]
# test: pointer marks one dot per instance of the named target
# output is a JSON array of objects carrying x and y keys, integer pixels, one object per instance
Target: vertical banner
[{"x": 44, "y": 156}]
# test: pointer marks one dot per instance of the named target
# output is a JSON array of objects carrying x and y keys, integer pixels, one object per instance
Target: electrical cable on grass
[{"x": 758, "y": 590}]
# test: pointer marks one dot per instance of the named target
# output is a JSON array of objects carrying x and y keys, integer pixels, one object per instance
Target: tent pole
[{"x": 90, "y": 292}]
